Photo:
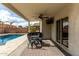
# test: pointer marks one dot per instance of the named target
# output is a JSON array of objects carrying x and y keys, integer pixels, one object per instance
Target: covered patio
[
  {"x": 31, "y": 13},
  {"x": 58, "y": 36}
]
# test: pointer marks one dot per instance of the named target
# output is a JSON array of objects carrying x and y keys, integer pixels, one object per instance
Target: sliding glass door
[
  {"x": 58, "y": 31},
  {"x": 62, "y": 31},
  {"x": 65, "y": 25}
]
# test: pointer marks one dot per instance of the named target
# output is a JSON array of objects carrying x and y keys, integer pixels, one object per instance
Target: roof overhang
[{"x": 15, "y": 10}]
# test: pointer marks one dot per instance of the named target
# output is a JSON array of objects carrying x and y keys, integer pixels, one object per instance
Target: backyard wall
[{"x": 72, "y": 11}]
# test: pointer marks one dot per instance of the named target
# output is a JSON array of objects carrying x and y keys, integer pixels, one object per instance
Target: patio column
[
  {"x": 28, "y": 26},
  {"x": 40, "y": 25}
]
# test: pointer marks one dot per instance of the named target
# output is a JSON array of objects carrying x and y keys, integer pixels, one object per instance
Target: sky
[{"x": 7, "y": 16}]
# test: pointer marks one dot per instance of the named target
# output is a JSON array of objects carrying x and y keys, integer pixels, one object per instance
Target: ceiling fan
[
  {"x": 41, "y": 16},
  {"x": 49, "y": 19}
]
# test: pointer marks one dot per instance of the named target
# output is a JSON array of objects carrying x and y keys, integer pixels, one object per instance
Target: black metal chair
[{"x": 35, "y": 38}]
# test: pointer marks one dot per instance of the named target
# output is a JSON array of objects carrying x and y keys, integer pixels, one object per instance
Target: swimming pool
[{"x": 4, "y": 39}]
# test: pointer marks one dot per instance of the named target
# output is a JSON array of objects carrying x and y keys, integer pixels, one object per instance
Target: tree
[
  {"x": 1, "y": 22},
  {"x": 20, "y": 26}
]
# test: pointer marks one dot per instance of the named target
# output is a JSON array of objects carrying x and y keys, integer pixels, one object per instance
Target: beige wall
[
  {"x": 46, "y": 30},
  {"x": 72, "y": 12}
]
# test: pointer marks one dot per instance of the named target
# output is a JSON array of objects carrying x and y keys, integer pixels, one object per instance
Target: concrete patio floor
[{"x": 48, "y": 49}]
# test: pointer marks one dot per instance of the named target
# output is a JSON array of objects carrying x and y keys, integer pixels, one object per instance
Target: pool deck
[
  {"x": 12, "y": 46},
  {"x": 19, "y": 47},
  {"x": 3, "y": 34},
  {"x": 48, "y": 49},
  {"x": 11, "y": 33}
]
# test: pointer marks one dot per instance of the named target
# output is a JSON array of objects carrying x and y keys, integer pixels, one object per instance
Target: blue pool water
[{"x": 4, "y": 39}]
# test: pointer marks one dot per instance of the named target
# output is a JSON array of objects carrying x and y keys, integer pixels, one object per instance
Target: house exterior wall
[
  {"x": 46, "y": 30},
  {"x": 2, "y": 28},
  {"x": 72, "y": 12},
  {"x": 22, "y": 30}
]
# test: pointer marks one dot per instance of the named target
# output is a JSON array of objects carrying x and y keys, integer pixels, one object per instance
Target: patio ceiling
[{"x": 31, "y": 10}]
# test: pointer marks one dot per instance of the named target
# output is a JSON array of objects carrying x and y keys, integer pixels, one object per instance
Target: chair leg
[{"x": 28, "y": 46}]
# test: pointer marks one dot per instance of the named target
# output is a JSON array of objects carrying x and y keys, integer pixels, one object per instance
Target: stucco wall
[
  {"x": 46, "y": 30},
  {"x": 72, "y": 11}
]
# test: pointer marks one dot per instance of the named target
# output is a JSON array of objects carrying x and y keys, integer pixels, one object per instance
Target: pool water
[{"x": 4, "y": 39}]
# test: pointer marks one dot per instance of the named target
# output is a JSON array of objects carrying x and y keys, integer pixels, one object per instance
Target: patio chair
[{"x": 35, "y": 39}]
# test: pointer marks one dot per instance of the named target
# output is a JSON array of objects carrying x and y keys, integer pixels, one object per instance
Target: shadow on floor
[{"x": 44, "y": 44}]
